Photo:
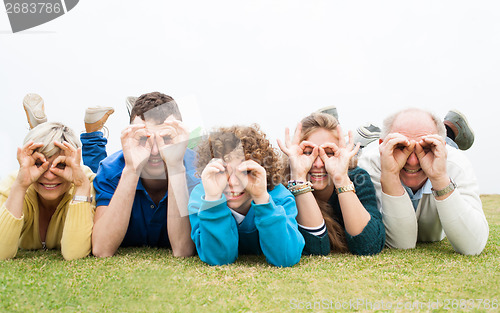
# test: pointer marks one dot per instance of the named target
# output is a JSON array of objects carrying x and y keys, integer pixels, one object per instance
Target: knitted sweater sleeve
[
  {"x": 76, "y": 238},
  {"x": 10, "y": 231},
  {"x": 371, "y": 240},
  {"x": 315, "y": 245},
  {"x": 10, "y": 227}
]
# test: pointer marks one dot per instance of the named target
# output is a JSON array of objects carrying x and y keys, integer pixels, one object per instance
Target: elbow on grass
[
  {"x": 183, "y": 252},
  {"x": 102, "y": 252},
  {"x": 73, "y": 255}
]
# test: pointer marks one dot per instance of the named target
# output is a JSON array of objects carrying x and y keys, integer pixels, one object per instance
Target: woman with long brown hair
[{"x": 336, "y": 201}]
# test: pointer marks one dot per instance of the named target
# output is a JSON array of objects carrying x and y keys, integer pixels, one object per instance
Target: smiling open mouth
[
  {"x": 317, "y": 176},
  {"x": 155, "y": 161},
  {"x": 234, "y": 195},
  {"x": 50, "y": 186},
  {"x": 412, "y": 171}
]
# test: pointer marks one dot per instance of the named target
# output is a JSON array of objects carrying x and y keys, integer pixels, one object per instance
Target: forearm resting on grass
[
  {"x": 400, "y": 221},
  {"x": 111, "y": 222},
  {"x": 353, "y": 212},
  {"x": 308, "y": 211},
  {"x": 11, "y": 220},
  {"x": 10, "y": 231},
  {"x": 463, "y": 222},
  {"x": 76, "y": 241},
  {"x": 178, "y": 226}
]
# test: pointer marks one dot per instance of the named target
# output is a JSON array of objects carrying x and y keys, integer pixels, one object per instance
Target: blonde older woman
[{"x": 47, "y": 203}]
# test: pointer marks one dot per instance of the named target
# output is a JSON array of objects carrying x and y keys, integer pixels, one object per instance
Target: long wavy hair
[
  {"x": 336, "y": 232},
  {"x": 222, "y": 141}
]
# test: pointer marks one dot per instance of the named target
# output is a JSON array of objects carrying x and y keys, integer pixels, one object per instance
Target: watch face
[{"x": 346, "y": 188}]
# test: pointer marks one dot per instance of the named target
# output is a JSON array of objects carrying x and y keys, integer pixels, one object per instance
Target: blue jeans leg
[{"x": 93, "y": 149}]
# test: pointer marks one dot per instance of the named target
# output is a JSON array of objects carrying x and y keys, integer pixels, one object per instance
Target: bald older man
[{"x": 426, "y": 190}]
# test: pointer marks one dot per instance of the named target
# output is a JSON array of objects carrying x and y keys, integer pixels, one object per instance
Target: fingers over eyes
[
  {"x": 217, "y": 164},
  {"x": 307, "y": 145},
  {"x": 40, "y": 158}
]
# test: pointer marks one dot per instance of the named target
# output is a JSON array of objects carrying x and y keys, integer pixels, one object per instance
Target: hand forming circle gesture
[
  {"x": 432, "y": 154},
  {"x": 301, "y": 154},
  {"x": 214, "y": 179},
  {"x": 68, "y": 164},
  {"x": 394, "y": 151},
  {"x": 32, "y": 164},
  {"x": 337, "y": 157},
  {"x": 137, "y": 143},
  {"x": 172, "y": 141},
  {"x": 253, "y": 176}
]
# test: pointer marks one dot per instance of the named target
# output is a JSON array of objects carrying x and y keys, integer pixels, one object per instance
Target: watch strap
[
  {"x": 82, "y": 199},
  {"x": 438, "y": 193},
  {"x": 347, "y": 188}
]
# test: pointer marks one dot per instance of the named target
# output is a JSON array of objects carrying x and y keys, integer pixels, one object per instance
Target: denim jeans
[{"x": 93, "y": 149}]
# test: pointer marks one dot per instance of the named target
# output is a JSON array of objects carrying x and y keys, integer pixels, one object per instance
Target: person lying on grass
[
  {"x": 426, "y": 190},
  {"x": 241, "y": 207},
  {"x": 337, "y": 206},
  {"x": 47, "y": 203},
  {"x": 142, "y": 190}
]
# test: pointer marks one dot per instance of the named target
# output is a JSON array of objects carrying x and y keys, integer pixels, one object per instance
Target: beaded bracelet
[
  {"x": 292, "y": 183},
  {"x": 301, "y": 191},
  {"x": 299, "y": 187}
]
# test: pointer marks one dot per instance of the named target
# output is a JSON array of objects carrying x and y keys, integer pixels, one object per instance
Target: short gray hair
[
  {"x": 389, "y": 122},
  {"x": 47, "y": 133}
]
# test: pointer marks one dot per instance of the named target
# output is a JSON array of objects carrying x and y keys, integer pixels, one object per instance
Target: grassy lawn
[{"x": 151, "y": 280}]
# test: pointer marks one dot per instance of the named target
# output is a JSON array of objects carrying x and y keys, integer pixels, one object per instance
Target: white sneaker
[
  {"x": 129, "y": 102},
  {"x": 365, "y": 134},
  {"x": 96, "y": 117},
  {"x": 35, "y": 109},
  {"x": 331, "y": 110}
]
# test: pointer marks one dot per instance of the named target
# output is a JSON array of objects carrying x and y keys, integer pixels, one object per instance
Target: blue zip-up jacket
[{"x": 268, "y": 228}]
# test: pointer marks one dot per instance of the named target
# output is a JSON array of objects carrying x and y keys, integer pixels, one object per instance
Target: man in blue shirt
[{"x": 142, "y": 191}]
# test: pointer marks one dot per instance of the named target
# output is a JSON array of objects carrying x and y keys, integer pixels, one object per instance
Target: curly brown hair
[
  {"x": 256, "y": 146},
  {"x": 156, "y": 105}
]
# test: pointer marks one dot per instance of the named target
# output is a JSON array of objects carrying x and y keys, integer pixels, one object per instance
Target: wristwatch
[
  {"x": 446, "y": 190},
  {"x": 82, "y": 199},
  {"x": 345, "y": 189}
]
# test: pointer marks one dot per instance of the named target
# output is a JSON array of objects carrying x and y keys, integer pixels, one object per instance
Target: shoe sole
[
  {"x": 462, "y": 129},
  {"x": 27, "y": 105},
  {"x": 91, "y": 127},
  {"x": 91, "y": 112}
]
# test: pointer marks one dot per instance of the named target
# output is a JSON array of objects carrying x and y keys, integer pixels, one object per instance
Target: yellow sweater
[{"x": 69, "y": 229}]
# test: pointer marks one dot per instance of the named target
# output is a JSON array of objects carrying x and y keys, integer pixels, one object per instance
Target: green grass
[{"x": 151, "y": 280}]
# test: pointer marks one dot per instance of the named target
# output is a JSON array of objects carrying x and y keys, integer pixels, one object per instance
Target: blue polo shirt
[{"x": 148, "y": 222}]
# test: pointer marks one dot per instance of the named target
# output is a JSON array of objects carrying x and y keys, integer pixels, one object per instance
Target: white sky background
[{"x": 269, "y": 62}]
